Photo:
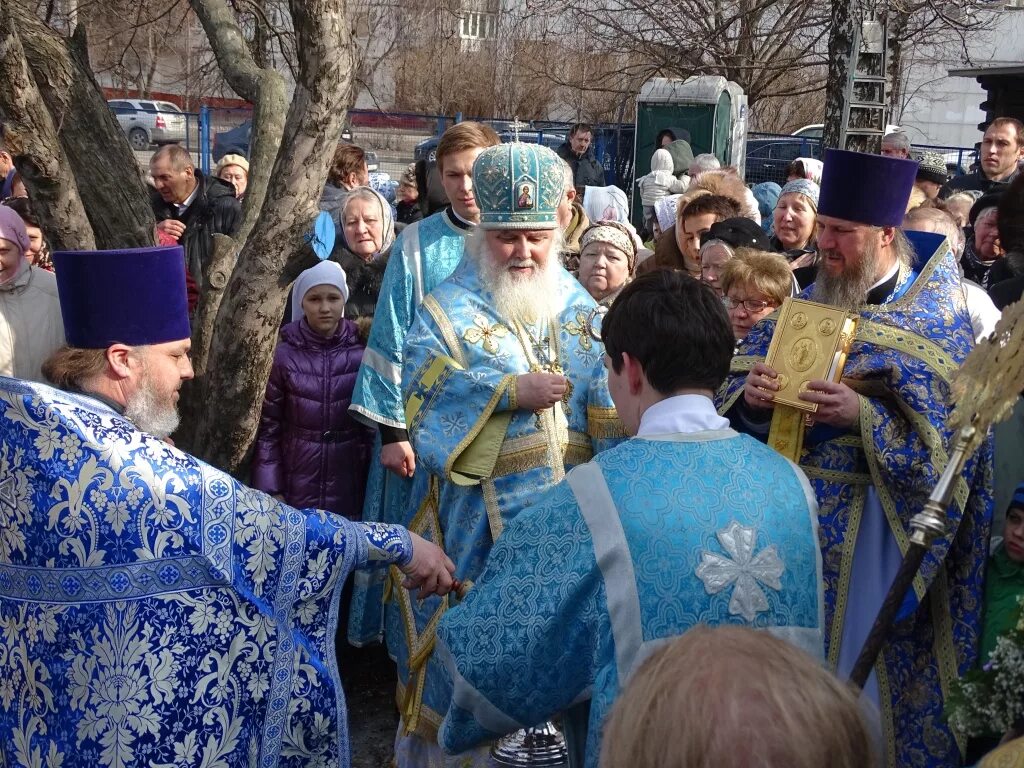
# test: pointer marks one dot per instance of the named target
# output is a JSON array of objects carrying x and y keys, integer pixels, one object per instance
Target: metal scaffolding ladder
[{"x": 865, "y": 110}]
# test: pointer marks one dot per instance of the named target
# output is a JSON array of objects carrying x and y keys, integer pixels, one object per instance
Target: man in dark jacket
[
  {"x": 579, "y": 154},
  {"x": 1002, "y": 149},
  {"x": 191, "y": 208}
]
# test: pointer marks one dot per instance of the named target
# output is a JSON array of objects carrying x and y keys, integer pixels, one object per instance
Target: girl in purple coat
[{"x": 309, "y": 451}]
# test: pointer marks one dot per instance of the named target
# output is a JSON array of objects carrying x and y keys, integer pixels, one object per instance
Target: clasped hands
[
  {"x": 539, "y": 390},
  {"x": 838, "y": 405}
]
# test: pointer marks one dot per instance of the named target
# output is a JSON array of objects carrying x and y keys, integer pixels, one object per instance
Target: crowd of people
[{"x": 533, "y": 452}]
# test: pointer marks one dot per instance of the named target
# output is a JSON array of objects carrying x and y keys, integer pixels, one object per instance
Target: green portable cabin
[{"x": 712, "y": 109}]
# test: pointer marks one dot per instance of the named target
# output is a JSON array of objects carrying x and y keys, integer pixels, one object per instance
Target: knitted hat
[
  {"x": 867, "y": 189},
  {"x": 932, "y": 168},
  {"x": 324, "y": 273},
  {"x": 518, "y": 186},
  {"x": 804, "y": 187},
  {"x": 227, "y": 160},
  {"x": 134, "y": 296}
]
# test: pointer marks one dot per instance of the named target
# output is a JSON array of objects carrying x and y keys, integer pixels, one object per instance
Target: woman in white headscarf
[
  {"x": 31, "y": 328},
  {"x": 364, "y": 244}
]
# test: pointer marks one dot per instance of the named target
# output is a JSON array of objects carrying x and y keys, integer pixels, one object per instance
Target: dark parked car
[
  {"x": 767, "y": 159},
  {"x": 236, "y": 142},
  {"x": 427, "y": 149}
]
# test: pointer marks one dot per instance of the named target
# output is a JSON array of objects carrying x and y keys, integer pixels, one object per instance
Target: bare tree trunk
[
  {"x": 275, "y": 250},
  {"x": 897, "y": 30},
  {"x": 95, "y": 147},
  {"x": 32, "y": 139},
  {"x": 841, "y": 59}
]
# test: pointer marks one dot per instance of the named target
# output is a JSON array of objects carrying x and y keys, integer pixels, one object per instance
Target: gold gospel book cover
[{"x": 811, "y": 342}]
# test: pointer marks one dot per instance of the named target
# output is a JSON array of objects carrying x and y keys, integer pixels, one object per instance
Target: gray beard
[
  {"x": 848, "y": 290},
  {"x": 150, "y": 416}
]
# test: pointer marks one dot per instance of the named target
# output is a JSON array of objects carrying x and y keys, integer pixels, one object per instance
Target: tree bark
[
  {"x": 31, "y": 137},
  {"x": 840, "y": 63},
  {"x": 275, "y": 250},
  {"x": 95, "y": 147}
]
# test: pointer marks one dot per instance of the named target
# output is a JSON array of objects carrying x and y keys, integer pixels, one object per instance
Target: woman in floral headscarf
[{"x": 608, "y": 251}]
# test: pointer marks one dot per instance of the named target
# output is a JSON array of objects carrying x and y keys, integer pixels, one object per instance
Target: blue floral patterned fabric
[
  {"x": 155, "y": 612},
  {"x": 703, "y": 528},
  {"x": 901, "y": 363},
  {"x": 461, "y": 361},
  {"x": 425, "y": 253}
]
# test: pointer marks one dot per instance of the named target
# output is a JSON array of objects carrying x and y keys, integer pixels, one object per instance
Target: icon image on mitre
[{"x": 525, "y": 197}]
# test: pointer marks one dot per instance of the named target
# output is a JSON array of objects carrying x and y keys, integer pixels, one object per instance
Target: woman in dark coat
[
  {"x": 309, "y": 451},
  {"x": 367, "y": 234}
]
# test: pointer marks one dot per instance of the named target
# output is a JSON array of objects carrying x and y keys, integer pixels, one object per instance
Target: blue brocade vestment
[
  {"x": 425, "y": 253},
  {"x": 153, "y": 611},
  {"x": 870, "y": 480},
  {"x": 461, "y": 364},
  {"x": 644, "y": 542}
]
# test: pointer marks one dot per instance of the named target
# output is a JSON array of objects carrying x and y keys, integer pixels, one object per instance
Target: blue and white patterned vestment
[
  {"x": 656, "y": 535},
  {"x": 870, "y": 481},
  {"x": 425, "y": 253},
  {"x": 155, "y": 612},
  {"x": 461, "y": 364}
]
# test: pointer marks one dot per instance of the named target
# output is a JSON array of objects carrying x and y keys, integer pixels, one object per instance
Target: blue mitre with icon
[{"x": 518, "y": 186}]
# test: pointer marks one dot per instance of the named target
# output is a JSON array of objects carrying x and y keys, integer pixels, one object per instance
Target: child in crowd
[
  {"x": 309, "y": 451},
  {"x": 657, "y": 184}
]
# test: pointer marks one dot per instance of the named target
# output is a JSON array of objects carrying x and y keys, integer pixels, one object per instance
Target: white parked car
[
  {"x": 814, "y": 130},
  {"x": 149, "y": 122}
]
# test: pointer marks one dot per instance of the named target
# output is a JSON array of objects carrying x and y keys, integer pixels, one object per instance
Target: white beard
[{"x": 533, "y": 299}]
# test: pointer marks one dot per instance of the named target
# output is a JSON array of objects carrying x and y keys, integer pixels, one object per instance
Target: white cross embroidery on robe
[{"x": 743, "y": 569}]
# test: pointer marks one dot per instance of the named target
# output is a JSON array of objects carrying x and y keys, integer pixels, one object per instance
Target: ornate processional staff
[{"x": 985, "y": 390}]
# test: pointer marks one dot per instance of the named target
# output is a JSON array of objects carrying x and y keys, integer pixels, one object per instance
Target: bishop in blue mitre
[
  {"x": 504, "y": 391},
  {"x": 154, "y": 611},
  {"x": 879, "y": 443},
  {"x": 687, "y": 523}
]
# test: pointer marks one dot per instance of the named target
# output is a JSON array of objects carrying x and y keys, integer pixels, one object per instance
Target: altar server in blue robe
[
  {"x": 878, "y": 446},
  {"x": 154, "y": 611},
  {"x": 687, "y": 523},
  {"x": 504, "y": 391},
  {"x": 425, "y": 253}
]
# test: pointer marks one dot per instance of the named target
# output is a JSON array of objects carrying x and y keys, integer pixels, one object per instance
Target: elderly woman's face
[
  {"x": 746, "y": 306},
  {"x": 794, "y": 220},
  {"x": 10, "y": 258},
  {"x": 603, "y": 269},
  {"x": 986, "y": 232},
  {"x": 364, "y": 229},
  {"x": 713, "y": 259},
  {"x": 237, "y": 176}
]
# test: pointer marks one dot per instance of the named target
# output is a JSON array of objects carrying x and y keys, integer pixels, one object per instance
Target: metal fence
[
  {"x": 397, "y": 139},
  {"x": 769, "y": 154}
]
